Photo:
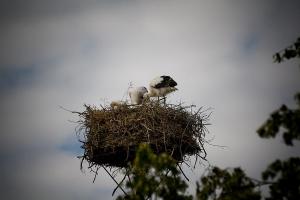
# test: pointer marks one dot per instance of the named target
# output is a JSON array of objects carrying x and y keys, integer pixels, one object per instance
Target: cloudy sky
[{"x": 67, "y": 53}]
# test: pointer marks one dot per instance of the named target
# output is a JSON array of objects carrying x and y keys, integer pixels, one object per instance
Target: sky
[{"x": 69, "y": 53}]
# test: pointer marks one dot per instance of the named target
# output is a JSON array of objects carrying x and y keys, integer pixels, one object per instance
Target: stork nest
[{"x": 112, "y": 135}]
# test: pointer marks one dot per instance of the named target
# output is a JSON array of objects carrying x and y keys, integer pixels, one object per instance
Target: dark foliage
[
  {"x": 285, "y": 118},
  {"x": 285, "y": 176},
  {"x": 227, "y": 185},
  {"x": 288, "y": 53},
  {"x": 154, "y": 176}
]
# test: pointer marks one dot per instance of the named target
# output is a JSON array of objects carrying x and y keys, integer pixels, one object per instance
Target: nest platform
[{"x": 112, "y": 135}]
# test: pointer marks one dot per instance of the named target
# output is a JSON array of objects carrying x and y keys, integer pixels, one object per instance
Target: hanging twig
[
  {"x": 183, "y": 173},
  {"x": 96, "y": 173},
  {"x": 195, "y": 161},
  {"x": 118, "y": 186},
  {"x": 120, "y": 183}
]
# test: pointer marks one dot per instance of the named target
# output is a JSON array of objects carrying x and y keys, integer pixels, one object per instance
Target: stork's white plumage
[
  {"x": 136, "y": 94},
  {"x": 161, "y": 86}
]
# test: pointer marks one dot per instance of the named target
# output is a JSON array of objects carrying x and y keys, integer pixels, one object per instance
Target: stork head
[{"x": 169, "y": 90}]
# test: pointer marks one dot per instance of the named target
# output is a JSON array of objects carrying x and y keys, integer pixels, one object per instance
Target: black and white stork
[{"x": 160, "y": 87}]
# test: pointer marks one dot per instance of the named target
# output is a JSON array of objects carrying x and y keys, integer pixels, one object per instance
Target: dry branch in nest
[{"x": 112, "y": 135}]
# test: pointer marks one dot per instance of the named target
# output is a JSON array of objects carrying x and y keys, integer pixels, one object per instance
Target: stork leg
[{"x": 164, "y": 98}]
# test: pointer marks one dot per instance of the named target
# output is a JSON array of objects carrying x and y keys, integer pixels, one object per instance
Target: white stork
[
  {"x": 136, "y": 94},
  {"x": 160, "y": 87}
]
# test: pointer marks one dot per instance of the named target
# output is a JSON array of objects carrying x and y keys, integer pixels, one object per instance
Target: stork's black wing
[{"x": 166, "y": 82}]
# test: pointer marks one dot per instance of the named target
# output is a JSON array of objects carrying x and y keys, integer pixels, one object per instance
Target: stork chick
[{"x": 136, "y": 94}]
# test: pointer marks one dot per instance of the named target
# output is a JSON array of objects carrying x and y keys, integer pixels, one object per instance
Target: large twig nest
[{"x": 112, "y": 135}]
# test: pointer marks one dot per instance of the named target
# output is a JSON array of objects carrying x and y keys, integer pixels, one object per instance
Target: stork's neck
[{"x": 152, "y": 92}]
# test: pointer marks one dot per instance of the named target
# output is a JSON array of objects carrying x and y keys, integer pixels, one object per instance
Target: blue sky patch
[
  {"x": 250, "y": 43},
  {"x": 72, "y": 145},
  {"x": 11, "y": 77}
]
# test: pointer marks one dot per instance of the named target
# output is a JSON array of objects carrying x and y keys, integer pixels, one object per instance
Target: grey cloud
[{"x": 18, "y": 9}]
